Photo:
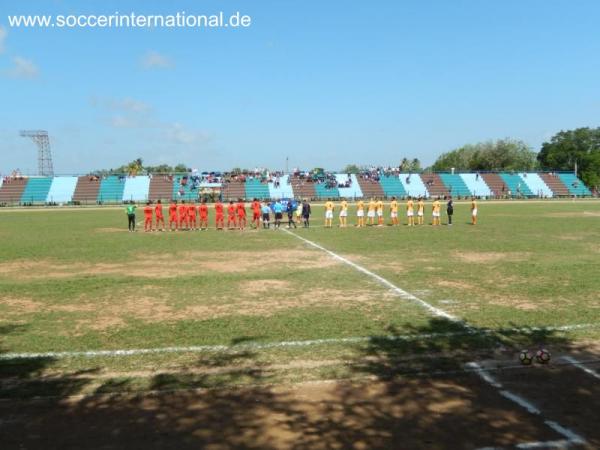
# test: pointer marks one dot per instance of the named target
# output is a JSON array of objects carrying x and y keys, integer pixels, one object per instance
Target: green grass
[{"x": 71, "y": 280}]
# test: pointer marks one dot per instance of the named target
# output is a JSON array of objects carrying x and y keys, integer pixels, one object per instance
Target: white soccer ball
[
  {"x": 542, "y": 356},
  {"x": 525, "y": 357}
]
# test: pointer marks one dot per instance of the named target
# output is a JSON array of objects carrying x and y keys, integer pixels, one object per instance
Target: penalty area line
[
  {"x": 398, "y": 291},
  {"x": 281, "y": 344},
  {"x": 571, "y": 437},
  {"x": 581, "y": 366}
]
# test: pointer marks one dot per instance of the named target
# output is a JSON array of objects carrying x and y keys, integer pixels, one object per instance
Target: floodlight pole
[{"x": 40, "y": 137}]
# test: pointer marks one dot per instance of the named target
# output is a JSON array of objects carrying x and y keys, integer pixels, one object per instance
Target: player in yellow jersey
[
  {"x": 343, "y": 213},
  {"x": 371, "y": 212},
  {"x": 380, "y": 212},
  {"x": 394, "y": 211},
  {"x": 473, "y": 211},
  {"x": 420, "y": 211},
  {"x": 360, "y": 213},
  {"x": 436, "y": 212},
  {"x": 329, "y": 214},
  {"x": 410, "y": 211}
]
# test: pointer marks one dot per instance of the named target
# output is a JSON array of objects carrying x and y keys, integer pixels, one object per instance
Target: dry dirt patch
[
  {"x": 168, "y": 265},
  {"x": 491, "y": 257}
]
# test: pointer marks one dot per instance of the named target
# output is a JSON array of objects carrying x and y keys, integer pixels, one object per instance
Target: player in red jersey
[
  {"x": 160, "y": 219},
  {"x": 192, "y": 216},
  {"x": 256, "y": 214},
  {"x": 183, "y": 220},
  {"x": 203, "y": 210},
  {"x": 231, "y": 216},
  {"x": 241, "y": 213},
  {"x": 173, "y": 215},
  {"x": 219, "y": 216},
  {"x": 148, "y": 217}
]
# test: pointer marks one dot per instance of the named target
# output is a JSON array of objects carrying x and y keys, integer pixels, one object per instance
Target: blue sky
[{"x": 325, "y": 83}]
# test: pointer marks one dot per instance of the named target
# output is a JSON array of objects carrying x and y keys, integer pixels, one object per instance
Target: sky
[{"x": 323, "y": 83}]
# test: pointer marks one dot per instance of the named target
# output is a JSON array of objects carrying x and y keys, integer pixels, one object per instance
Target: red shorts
[
  {"x": 256, "y": 216},
  {"x": 160, "y": 218},
  {"x": 203, "y": 217},
  {"x": 220, "y": 217},
  {"x": 172, "y": 218}
]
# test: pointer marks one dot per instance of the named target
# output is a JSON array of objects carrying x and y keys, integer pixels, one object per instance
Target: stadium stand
[
  {"x": 322, "y": 191},
  {"x": 256, "y": 189},
  {"x": 234, "y": 189},
  {"x": 574, "y": 184},
  {"x": 36, "y": 190},
  {"x": 353, "y": 190},
  {"x": 555, "y": 184},
  {"x": 495, "y": 183},
  {"x": 87, "y": 189},
  {"x": 182, "y": 189},
  {"x": 12, "y": 190},
  {"x": 284, "y": 190},
  {"x": 536, "y": 185},
  {"x": 161, "y": 188},
  {"x": 370, "y": 188},
  {"x": 392, "y": 186},
  {"x": 434, "y": 185},
  {"x": 476, "y": 184},
  {"x": 455, "y": 185},
  {"x": 303, "y": 188},
  {"x": 62, "y": 190},
  {"x": 111, "y": 189},
  {"x": 136, "y": 189},
  {"x": 413, "y": 185},
  {"x": 516, "y": 185}
]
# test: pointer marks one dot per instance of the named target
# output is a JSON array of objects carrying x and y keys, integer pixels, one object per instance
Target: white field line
[
  {"x": 581, "y": 366},
  {"x": 572, "y": 437},
  {"x": 560, "y": 444},
  {"x": 400, "y": 292},
  {"x": 282, "y": 344}
]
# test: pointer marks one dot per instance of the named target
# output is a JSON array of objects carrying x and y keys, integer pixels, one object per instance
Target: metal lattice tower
[{"x": 40, "y": 137}]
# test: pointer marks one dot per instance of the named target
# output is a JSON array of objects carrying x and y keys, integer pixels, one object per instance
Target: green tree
[
  {"x": 180, "y": 168},
  {"x": 579, "y": 147},
  {"x": 503, "y": 154},
  {"x": 351, "y": 168},
  {"x": 415, "y": 165}
]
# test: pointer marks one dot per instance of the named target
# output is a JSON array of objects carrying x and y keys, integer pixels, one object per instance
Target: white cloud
[
  {"x": 3, "y": 34},
  {"x": 127, "y": 104},
  {"x": 24, "y": 69},
  {"x": 155, "y": 60},
  {"x": 179, "y": 134}
]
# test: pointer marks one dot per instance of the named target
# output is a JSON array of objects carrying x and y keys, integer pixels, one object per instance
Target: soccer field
[{"x": 414, "y": 315}]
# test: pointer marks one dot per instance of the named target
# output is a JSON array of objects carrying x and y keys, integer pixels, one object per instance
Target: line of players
[
  {"x": 188, "y": 216},
  {"x": 375, "y": 208}
]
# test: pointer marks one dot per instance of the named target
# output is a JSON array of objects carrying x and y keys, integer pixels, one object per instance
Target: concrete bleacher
[
  {"x": 111, "y": 189},
  {"x": 322, "y": 191},
  {"x": 574, "y": 184},
  {"x": 516, "y": 185},
  {"x": 62, "y": 190},
  {"x": 455, "y": 185},
  {"x": 136, "y": 189},
  {"x": 476, "y": 184},
  {"x": 353, "y": 191},
  {"x": 284, "y": 190},
  {"x": 36, "y": 190},
  {"x": 255, "y": 189},
  {"x": 536, "y": 185},
  {"x": 184, "y": 191},
  {"x": 413, "y": 185},
  {"x": 392, "y": 186}
]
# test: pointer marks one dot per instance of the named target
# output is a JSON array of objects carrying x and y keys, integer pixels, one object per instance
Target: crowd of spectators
[{"x": 14, "y": 175}]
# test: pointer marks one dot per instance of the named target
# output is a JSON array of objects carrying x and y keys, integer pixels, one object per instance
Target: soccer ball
[
  {"x": 542, "y": 356},
  {"x": 525, "y": 357}
]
